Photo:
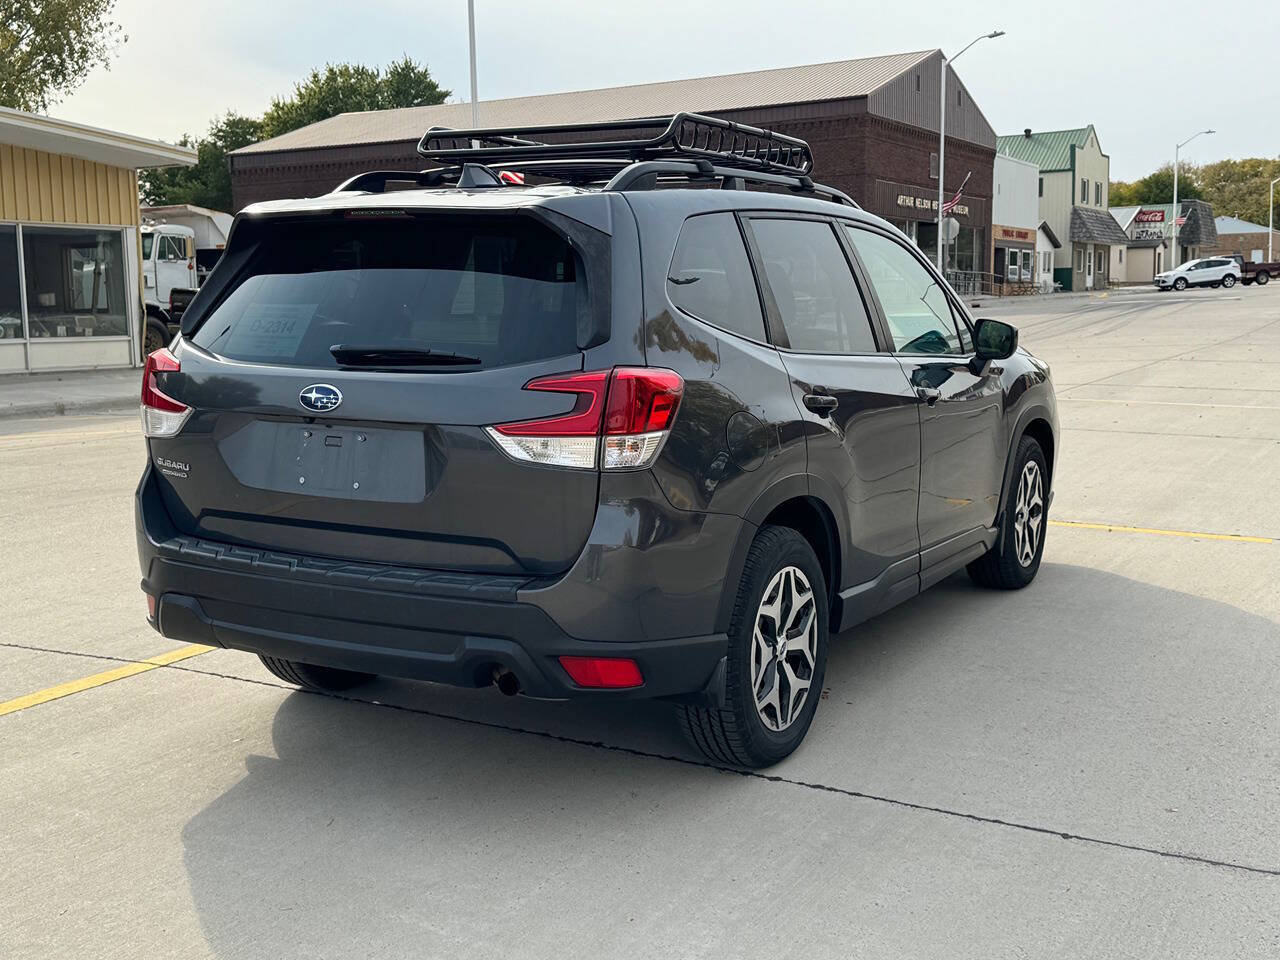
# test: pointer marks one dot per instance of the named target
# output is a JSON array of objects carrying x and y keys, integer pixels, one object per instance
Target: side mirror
[{"x": 993, "y": 340}]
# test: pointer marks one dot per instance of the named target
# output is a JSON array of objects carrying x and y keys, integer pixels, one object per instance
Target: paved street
[{"x": 1087, "y": 768}]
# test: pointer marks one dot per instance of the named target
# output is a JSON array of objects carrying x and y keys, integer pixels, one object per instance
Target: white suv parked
[{"x": 1205, "y": 272}]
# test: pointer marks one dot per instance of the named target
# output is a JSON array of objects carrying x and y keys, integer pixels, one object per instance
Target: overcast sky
[{"x": 1146, "y": 76}]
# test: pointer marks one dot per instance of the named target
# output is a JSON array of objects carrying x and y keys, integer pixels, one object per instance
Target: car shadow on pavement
[{"x": 1088, "y": 703}]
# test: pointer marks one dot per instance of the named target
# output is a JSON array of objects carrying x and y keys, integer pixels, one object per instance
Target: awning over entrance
[{"x": 1089, "y": 225}]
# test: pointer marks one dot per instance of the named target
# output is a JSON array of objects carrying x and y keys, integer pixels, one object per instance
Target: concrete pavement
[
  {"x": 1084, "y": 768},
  {"x": 58, "y": 394}
]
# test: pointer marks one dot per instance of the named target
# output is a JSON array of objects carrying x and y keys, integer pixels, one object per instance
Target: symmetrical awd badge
[{"x": 320, "y": 397}]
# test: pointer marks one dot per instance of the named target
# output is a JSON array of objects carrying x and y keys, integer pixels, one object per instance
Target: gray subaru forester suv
[{"x": 649, "y": 416}]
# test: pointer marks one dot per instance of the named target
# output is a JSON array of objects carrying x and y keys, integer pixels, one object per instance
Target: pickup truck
[{"x": 1253, "y": 272}]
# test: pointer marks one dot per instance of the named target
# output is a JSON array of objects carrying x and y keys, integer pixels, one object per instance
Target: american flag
[
  {"x": 1181, "y": 221},
  {"x": 951, "y": 204},
  {"x": 511, "y": 176}
]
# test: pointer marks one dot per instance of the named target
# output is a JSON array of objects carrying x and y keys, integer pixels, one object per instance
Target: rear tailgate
[{"x": 288, "y": 449}]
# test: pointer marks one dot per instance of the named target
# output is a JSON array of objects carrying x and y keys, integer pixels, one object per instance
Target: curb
[{"x": 59, "y": 408}]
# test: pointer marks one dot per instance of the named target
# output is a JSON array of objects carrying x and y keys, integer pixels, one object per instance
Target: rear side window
[
  {"x": 503, "y": 291},
  {"x": 710, "y": 277},
  {"x": 818, "y": 301}
]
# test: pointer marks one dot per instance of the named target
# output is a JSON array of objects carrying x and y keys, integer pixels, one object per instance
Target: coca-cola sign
[{"x": 1149, "y": 216}]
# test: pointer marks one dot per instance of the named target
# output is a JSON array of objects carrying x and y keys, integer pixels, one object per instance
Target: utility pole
[
  {"x": 1271, "y": 217},
  {"x": 1176, "y": 257},
  {"x": 471, "y": 29},
  {"x": 942, "y": 131}
]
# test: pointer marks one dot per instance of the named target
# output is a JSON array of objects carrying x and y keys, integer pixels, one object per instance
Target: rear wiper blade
[{"x": 356, "y": 356}]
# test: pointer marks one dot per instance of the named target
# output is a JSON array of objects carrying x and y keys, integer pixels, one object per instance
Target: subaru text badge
[{"x": 320, "y": 397}]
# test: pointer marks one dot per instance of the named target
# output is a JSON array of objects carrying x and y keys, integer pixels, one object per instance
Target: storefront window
[
  {"x": 75, "y": 282},
  {"x": 927, "y": 238},
  {"x": 10, "y": 297},
  {"x": 960, "y": 252}
]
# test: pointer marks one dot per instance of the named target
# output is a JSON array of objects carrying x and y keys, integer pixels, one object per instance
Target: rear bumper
[{"x": 392, "y": 621}]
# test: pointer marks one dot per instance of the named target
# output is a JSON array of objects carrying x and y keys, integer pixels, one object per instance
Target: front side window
[
  {"x": 501, "y": 291},
  {"x": 710, "y": 276},
  {"x": 75, "y": 280},
  {"x": 148, "y": 245},
  {"x": 818, "y": 301},
  {"x": 916, "y": 308}
]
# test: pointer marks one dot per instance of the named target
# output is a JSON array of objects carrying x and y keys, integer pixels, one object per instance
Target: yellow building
[{"x": 70, "y": 281}]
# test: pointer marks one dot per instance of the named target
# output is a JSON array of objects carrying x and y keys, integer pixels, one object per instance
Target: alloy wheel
[
  {"x": 1028, "y": 513},
  {"x": 784, "y": 649}
]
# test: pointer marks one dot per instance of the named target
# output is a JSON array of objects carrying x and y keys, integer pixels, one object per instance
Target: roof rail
[{"x": 682, "y": 136}]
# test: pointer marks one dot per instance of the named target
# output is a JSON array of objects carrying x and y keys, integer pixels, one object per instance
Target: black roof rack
[
  {"x": 687, "y": 147},
  {"x": 684, "y": 135}
]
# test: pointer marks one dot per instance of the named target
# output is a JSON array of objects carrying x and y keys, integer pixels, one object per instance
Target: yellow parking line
[
  {"x": 1118, "y": 528},
  {"x": 98, "y": 679}
]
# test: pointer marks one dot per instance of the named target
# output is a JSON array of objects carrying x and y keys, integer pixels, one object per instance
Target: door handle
[
  {"x": 821, "y": 403},
  {"x": 929, "y": 395}
]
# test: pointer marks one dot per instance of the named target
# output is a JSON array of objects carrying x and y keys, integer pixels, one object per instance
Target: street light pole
[
  {"x": 1271, "y": 217},
  {"x": 1178, "y": 147},
  {"x": 942, "y": 130},
  {"x": 471, "y": 30}
]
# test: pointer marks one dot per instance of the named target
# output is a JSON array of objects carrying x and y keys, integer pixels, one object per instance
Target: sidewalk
[
  {"x": 1111, "y": 293},
  {"x": 77, "y": 391}
]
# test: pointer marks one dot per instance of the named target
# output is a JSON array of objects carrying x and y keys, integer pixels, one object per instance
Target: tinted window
[
  {"x": 818, "y": 301},
  {"x": 148, "y": 241},
  {"x": 711, "y": 279},
  {"x": 916, "y": 308},
  {"x": 504, "y": 291}
]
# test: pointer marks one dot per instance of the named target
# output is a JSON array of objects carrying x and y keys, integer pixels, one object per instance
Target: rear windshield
[{"x": 501, "y": 291}]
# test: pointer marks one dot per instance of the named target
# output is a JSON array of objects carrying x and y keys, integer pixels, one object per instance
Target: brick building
[
  {"x": 1249, "y": 240},
  {"x": 872, "y": 124}
]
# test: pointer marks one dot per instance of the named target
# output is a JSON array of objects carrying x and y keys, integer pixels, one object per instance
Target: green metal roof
[{"x": 1050, "y": 150}]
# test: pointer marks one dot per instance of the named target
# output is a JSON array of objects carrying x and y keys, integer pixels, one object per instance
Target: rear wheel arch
[{"x": 789, "y": 503}]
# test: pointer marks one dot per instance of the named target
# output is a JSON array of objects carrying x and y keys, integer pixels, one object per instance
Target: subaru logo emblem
[{"x": 320, "y": 397}]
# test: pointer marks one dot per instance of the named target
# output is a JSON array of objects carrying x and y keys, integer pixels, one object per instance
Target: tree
[
  {"x": 347, "y": 87},
  {"x": 1238, "y": 188},
  {"x": 1157, "y": 187},
  {"x": 48, "y": 47},
  {"x": 208, "y": 183}
]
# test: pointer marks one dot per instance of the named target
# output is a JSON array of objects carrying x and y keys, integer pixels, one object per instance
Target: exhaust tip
[{"x": 508, "y": 683}]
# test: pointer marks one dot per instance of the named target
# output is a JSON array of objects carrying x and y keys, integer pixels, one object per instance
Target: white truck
[{"x": 181, "y": 243}]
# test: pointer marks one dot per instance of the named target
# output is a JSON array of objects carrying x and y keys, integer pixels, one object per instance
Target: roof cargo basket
[
  {"x": 624, "y": 155},
  {"x": 683, "y": 136}
]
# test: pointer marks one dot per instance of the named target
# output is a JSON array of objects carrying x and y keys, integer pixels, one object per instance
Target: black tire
[
  {"x": 312, "y": 677},
  {"x": 737, "y": 735},
  {"x": 1229, "y": 281},
  {"x": 154, "y": 336},
  {"x": 1180, "y": 284},
  {"x": 1002, "y": 567},
  {"x": 1261, "y": 278}
]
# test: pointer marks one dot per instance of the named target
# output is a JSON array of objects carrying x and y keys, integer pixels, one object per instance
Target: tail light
[
  {"x": 162, "y": 416},
  {"x": 630, "y": 409}
]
